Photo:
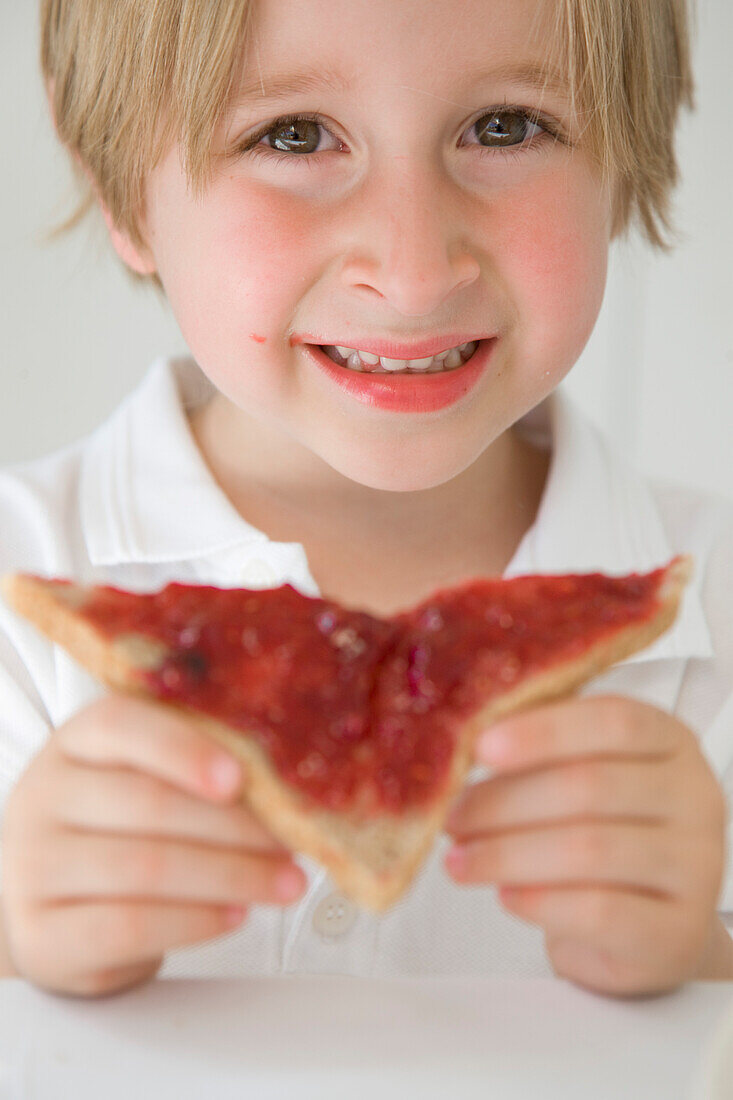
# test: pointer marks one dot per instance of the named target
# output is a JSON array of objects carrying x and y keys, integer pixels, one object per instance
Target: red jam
[{"x": 348, "y": 705}]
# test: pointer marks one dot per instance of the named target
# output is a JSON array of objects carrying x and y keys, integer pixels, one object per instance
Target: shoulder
[
  {"x": 700, "y": 523},
  {"x": 40, "y": 525},
  {"x": 41, "y": 533},
  {"x": 696, "y": 521},
  {"x": 39, "y": 510}
]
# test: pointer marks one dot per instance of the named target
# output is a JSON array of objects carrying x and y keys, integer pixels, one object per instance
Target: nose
[{"x": 407, "y": 249}]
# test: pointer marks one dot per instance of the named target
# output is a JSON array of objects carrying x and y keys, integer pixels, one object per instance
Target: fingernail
[
  {"x": 456, "y": 859},
  {"x": 225, "y": 772},
  {"x": 289, "y": 884},
  {"x": 234, "y": 915},
  {"x": 493, "y": 746}
]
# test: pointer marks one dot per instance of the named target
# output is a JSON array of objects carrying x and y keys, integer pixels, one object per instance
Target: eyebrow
[{"x": 278, "y": 87}]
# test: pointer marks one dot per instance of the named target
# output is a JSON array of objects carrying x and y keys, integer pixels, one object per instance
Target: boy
[{"x": 385, "y": 238}]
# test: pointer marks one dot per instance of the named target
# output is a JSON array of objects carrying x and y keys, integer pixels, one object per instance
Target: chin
[{"x": 402, "y": 476}]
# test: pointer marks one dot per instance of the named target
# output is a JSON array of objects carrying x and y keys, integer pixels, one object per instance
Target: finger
[
  {"x": 589, "y": 726},
  {"x": 120, "y": 934},
  {"x": 150, "y": 736},
  {"x": 607, "y": 916},
  {"x": 85, "y": 865},
  {"x": 122, "y": 800},
  {"x": 611, "y": 936},
  {"x": 644, "y": 790},
  {"x": 640, "y": 855}
]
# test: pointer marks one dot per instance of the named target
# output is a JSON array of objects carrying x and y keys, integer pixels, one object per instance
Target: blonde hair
[{"x": 128, "y": 77}]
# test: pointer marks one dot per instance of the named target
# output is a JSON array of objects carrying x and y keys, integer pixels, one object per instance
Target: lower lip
[{"x": 418, "y": 393}]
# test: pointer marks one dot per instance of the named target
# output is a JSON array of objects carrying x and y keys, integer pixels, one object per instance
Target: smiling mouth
[{"x": 365, "y": 363}]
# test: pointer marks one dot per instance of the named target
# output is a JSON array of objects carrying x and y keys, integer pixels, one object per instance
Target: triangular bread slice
[{"x": 427, "y": 681}]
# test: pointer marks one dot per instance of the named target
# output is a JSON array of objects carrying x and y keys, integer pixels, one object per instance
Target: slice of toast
[{"x": 373, "y": 853}]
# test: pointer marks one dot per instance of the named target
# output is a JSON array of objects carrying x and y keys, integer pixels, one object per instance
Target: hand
[
  {"x": 119, "y": 844},
  {"x": 603, "y": 824}
]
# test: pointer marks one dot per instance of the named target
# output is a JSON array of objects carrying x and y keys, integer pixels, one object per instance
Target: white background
[{"x": 657, "y": 374}]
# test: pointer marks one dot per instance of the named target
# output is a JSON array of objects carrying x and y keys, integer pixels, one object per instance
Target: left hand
[{"x": 604, "y": 824}]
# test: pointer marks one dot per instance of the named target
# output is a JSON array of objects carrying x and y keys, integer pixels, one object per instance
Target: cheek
[
  {"x": 259, "y": 227},
  {"x": 258, "y": 244},
  {"x": 554, "y": 257},
  {"x": 236, "y": 268}
]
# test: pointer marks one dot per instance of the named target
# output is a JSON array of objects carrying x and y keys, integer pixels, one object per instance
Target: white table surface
[{"x": 323, "y": 1037}]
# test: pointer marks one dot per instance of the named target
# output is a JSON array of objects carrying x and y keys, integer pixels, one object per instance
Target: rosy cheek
[
  {"x": 237, "y": 263},
  {"x": 554, "y": 256},
  {"x": 262, "y": 232},
  {"x": 263, "y": 250}
]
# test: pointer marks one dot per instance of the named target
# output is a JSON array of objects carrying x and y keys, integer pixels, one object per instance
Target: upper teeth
[{"x": 444, "y": 360}]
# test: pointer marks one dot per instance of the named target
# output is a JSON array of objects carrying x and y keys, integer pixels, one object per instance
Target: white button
[
  {"x": 258, "y": 571},
  {"x": 334, "y": 915}
]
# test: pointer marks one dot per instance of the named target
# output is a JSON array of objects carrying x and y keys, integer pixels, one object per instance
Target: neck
[{"x": 470, "y": 524}]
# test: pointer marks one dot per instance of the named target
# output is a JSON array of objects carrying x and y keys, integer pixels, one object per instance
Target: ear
[{"x": 141, "y": 261}]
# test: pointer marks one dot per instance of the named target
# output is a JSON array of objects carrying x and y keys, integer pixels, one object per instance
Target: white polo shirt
[{"x": 135, "y": 505}]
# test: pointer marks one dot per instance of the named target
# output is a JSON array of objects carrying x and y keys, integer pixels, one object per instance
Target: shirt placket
[{"x": 326, "y": 932}]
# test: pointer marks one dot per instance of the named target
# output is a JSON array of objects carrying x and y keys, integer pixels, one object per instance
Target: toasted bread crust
[{"x": 373, "y": 860}]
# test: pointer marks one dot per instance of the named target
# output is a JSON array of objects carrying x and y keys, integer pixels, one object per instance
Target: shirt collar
[
  {"x": 146, "y": 493},
  {"x": 148, "y": 496},
  {"x": 599, "y": 514}
]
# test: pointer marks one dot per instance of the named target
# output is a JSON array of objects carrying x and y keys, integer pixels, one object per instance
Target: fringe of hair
[{"x": 126, "y": 78}]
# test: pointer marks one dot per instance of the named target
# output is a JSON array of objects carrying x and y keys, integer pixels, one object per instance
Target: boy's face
[{"x": 410, "y": 220}]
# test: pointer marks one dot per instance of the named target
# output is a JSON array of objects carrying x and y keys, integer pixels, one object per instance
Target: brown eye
[
  {"x": 299, "y": 135},
  {"x": 503, "y": 128}
]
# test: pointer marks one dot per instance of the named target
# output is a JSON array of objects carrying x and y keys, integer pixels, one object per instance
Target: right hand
[{"x": 118, "y": 845}]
